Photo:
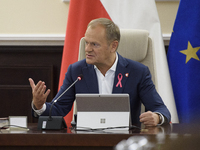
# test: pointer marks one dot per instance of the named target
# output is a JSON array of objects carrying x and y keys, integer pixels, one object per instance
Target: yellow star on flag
[{"x": 190, "y": 52}]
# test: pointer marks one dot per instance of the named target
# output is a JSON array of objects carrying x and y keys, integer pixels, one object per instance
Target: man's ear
[{"x": 114, "y": 45}]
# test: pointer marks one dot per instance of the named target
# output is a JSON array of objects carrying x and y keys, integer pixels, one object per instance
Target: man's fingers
[
  {"x": 47, "y": 93},
  {"x": 38, "y": 86},
  {"x": 43, "y": 91},
  {"x": 149, "y": 118},
  {"x": 39, "y": 94},
  {"x": 32, "y": 84},
  {"x": 42, "y": 88}
]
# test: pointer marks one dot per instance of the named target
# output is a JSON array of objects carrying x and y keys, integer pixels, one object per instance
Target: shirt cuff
[
  {"x": 162, "y": 120},
  {"x": 40, "y": 111}
]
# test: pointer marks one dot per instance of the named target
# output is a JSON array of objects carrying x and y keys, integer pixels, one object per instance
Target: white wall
[
  {"x": 33, "y": 16},
  {"x": 26, "y": 20}
]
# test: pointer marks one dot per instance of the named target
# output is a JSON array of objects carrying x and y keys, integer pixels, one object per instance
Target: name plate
[{"x": 18, "y": 121}]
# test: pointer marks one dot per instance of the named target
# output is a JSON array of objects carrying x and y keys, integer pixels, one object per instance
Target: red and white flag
[
  {"x": 128, "y": 14},
  {"x": 81, "y": 12}
]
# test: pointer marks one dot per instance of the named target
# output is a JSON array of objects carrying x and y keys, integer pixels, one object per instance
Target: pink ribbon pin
[{"x": 120, "y": 76}]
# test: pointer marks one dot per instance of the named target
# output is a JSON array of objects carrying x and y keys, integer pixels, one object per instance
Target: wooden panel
[
  {"x": 15, "y": 91},
  {"x": 16, "y": 101},
  {"x": 17, "y": 64},
  {"x": 12, "y": 56},
  {"x": 18, "y": 75}
]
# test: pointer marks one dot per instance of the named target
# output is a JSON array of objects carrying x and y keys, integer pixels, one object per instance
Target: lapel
[
  {"x": 121, "y": 75},
  {"x": 90, "y": 78}
]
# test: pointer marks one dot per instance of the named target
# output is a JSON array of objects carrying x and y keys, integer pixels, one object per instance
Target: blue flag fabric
[{"x": 184, "y": 61}]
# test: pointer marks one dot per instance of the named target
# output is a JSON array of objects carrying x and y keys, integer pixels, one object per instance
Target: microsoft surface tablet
[{"x": 102, "y": 111}]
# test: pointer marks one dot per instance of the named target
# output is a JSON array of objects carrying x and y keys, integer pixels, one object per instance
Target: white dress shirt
[{"x": 105, "y": 83}]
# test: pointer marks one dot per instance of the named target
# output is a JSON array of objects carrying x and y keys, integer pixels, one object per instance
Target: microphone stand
[
  {"x": 54, "y": 122},
  {"x": 50, "y": 117}
]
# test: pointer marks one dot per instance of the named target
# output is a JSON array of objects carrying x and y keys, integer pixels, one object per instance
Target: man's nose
[{"x": 88, "y": 48}]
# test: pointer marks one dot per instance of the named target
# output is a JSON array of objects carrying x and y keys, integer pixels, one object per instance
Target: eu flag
[{"x": 184, "y": 61}]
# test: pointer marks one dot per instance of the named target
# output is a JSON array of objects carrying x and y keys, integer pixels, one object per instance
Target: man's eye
[
  {"x": 95, "y": 45},
  {"x": 92, "y": 44}
]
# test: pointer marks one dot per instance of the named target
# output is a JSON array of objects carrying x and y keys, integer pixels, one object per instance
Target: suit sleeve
[{"x": 150, "y": 97}]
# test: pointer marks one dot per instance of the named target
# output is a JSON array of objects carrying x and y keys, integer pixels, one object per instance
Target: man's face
[{"x": 97, "y": 50}]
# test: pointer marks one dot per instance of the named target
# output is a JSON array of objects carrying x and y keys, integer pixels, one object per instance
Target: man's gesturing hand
[{"x": 39, "y": 94}]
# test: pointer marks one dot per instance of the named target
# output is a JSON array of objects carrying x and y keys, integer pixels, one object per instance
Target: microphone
[
  {"x": 78, "y": 79},
  {"x": 55, "y": 122}
]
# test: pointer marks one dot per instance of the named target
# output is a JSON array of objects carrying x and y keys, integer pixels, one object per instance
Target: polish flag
[
  {"x": 81, "y": 12},
  {"x": 128, "y": 14}
]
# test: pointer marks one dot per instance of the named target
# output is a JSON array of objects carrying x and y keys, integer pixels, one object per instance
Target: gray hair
[{"x": 112, "y": 30}]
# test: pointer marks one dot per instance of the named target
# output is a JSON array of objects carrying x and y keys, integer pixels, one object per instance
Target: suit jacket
[{"x": 136, "y": 81}]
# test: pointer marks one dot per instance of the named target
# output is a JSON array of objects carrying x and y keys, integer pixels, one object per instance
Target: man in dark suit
[{"x": 105, "y": 71}]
